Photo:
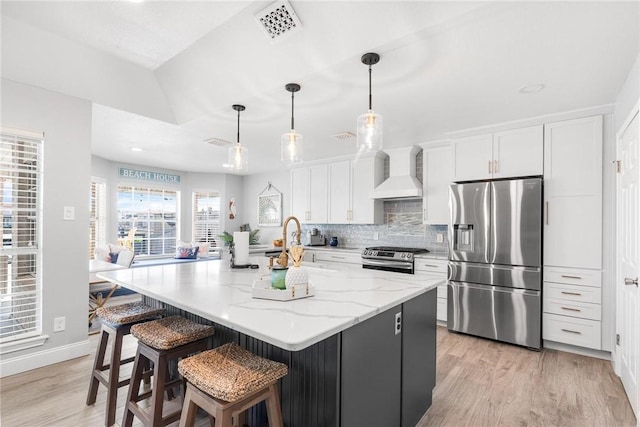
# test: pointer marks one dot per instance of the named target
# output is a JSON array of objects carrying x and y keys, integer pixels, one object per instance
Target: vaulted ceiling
[{"x": 163, "y": 74}]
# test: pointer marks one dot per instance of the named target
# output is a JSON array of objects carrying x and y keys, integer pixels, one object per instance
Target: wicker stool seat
[
  {"x": 161, "y": 341},
  {"x": 117, "y": 322},
  {"x": 228, "y": 380}
]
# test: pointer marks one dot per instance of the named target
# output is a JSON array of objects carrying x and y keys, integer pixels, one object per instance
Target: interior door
[{"x": 628, "y": 268}]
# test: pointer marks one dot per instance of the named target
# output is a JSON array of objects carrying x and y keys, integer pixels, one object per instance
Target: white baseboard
[
  {"x": 583, "y": 351},
  {"x": 39, "y": 359}
]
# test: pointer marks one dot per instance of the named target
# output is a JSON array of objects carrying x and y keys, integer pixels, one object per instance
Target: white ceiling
[{"x": 445, "y": 66}]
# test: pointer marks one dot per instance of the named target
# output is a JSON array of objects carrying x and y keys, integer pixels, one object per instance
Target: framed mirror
[{"x": 270, "y": 210}]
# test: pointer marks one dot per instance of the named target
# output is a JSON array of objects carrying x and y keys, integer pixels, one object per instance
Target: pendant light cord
[
  {"x": 292, "y": 93},
  {"x": 370, "y": 97},
  {"x": 238, "y": 137}
]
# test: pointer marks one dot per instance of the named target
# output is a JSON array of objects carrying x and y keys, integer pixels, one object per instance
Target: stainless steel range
[{"x": 390, "y": 258}]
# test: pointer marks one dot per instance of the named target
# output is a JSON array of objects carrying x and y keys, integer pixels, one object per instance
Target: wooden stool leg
[
  {"x": 273, "y": 407},
  {"x": 134, "y": 387},
  {"x": 160, "y": 369},
  {"x": 98, "y": 363},
  {"x": 114, "y": 379},
  {"x": 189, "y": 411}
]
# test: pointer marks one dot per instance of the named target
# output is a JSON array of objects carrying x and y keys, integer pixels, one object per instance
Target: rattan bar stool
[
  {"x": 116, "y": 323},
  {"x": 227, "y": 381},
  {"x": 161, "y": 341}
]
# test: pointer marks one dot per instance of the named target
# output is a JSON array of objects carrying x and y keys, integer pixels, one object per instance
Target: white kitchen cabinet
[
  {"x": 437, "y": 175},
  {"x": 518, "y": 152},
  {"x": 473, "y": 158},
  {"x": 309, "y": 190},
  {"x": 367, "y": 172},
  {"x": 339, "y": 192},
  {"x": 350, "y": 185},
  {"x": 573, "y": 193},
  {"x": 505, "y": 154},
  {"x": 435, "y": 268},
  {"x": 572, "y": 287}
]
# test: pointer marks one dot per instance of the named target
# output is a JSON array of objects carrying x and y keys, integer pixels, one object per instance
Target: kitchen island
[{"x": 360, "y": 352}]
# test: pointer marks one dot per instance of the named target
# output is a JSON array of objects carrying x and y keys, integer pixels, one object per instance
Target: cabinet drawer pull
[
  {"x": 547, "y": 213},
  {"x": 495, "y": 166},
  {"x": 566, "y": 276},
  {"x": 571, "y": 293},
  {"x": 430, "y": 265},
  {"x": 337, "y": 257},
  {"x": 570, "y": 309},
  {"x": 571, "y": 332},
  {"x": 489, "y": 163}
]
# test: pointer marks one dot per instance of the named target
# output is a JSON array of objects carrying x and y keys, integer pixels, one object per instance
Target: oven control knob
[
  {"x": 403, "y": 255},
  {"x": 409, "y": 255}
]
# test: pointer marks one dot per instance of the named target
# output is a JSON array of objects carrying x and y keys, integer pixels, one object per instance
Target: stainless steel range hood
[{"x": 402, "y": 182}]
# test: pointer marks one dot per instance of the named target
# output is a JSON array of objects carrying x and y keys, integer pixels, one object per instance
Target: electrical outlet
[
  {"x": 440, "y": 237},
  {"x": 398, "y": 323},
  {"x": 59, "y": 324},
  {"x": 375, "y": 235}
]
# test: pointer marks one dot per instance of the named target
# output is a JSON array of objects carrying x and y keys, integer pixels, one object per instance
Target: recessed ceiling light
[
  {"x": 531, "y": 88},
  {"x": 136, "y": 149}
]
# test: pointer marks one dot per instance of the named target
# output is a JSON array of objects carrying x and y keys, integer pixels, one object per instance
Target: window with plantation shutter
[
  {"x": 20, "y": 257},
  {"x": 206, "y": 216},
  {"x": 98, "y": 214}
]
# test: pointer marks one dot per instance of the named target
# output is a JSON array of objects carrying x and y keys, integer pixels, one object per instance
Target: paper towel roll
[{"x": 241, "y": 245}]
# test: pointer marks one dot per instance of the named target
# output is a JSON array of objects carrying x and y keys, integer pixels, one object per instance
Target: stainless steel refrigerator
[{"x": 495, "y": 260}]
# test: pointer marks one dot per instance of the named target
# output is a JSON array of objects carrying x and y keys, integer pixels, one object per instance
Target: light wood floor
[{"x": 479, "y": 383}]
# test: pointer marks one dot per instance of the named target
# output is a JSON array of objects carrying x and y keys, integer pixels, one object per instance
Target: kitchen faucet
[{"x": 283, "y": 259}]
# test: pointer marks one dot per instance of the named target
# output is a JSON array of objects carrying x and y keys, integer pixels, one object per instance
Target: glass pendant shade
[
  {"x": 291, "y": 147},
  {"x": 238, "y": 158},
  {"x": 369, "y": 132}
]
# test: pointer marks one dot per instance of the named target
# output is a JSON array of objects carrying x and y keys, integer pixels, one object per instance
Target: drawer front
[
  {"x": 442, "y": 291},
  {"x": 441, "y": 310},
  {"x": 339, "y": 257},
  {"x": 573, "y": 276},
  {"x": 571, "y": 330},
  {"x": 572, "y": 309},
  {"x": 437, "y": 266},
  {"x": 572, "y": 293}
]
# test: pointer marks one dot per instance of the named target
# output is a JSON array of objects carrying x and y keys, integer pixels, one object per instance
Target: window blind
[
  {"x": 20, "y": 281},
  {"x": 206, "y": 216},
  {"x": 154, "y": 214},
  {"x": 98, "y": 215}
]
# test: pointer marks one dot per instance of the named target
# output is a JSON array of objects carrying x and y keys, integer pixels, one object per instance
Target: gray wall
[{"x": 66, "y": 123}]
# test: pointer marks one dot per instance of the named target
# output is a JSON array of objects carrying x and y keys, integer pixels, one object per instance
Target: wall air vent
[
  {"x": 278, "y": 20},
  {"x": 344, "y": 136},
  {"x": 218, "y": 142}
]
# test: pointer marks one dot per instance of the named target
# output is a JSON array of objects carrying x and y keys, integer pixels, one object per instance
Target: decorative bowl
[{"x": 277, "y": 242}]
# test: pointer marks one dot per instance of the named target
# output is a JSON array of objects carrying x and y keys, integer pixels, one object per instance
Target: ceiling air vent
[
  {"x": 278, "y": 19},
  {"x": 218, "y": 142},
  {"x": 344, "y": 136}
]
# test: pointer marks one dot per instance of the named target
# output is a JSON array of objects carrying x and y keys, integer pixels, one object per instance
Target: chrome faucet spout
[{"x": 283, "y": 259}]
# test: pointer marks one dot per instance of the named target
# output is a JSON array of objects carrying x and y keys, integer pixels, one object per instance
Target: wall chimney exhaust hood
[{"x": 402, "y": 182}]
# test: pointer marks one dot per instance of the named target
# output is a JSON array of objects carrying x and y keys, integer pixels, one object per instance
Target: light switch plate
[
  {"x": 69, "y": 213},
  {"x": 440, "y": 237}
]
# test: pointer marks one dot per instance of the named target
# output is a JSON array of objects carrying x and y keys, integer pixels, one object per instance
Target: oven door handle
[{"x": 389, "y": 263}]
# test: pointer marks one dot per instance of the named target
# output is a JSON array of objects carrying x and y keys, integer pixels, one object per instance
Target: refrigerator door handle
[{"x": 547, "y": 213}]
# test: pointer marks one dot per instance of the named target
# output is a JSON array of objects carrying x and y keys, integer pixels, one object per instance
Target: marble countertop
[{"x": 211, "y": 290}]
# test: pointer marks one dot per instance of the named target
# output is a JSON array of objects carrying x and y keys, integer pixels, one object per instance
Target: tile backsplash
[{"x": 402, "y": 227}]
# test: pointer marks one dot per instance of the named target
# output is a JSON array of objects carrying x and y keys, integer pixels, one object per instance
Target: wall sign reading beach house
[{"x": 149, "y": 176}]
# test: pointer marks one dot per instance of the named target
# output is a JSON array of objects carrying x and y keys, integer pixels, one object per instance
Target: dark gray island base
[{"x": 367, "y": 375}]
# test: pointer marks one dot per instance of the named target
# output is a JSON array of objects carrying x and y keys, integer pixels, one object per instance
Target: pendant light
[
  {"x": 291, "y": 143},
  {"x": 238, "y": 155},
  {"x": 369, "y": 127}
]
